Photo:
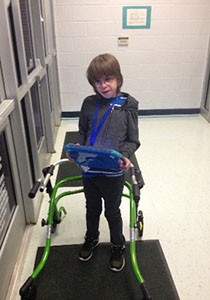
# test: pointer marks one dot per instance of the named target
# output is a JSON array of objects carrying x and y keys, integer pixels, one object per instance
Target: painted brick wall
[{"x": 163, "y": 67}]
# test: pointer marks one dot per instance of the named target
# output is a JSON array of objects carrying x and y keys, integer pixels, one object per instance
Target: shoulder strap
[{"x": 95, "y": 130}]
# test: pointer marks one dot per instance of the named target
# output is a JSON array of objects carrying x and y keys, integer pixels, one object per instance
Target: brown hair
[{"x": 104, "y": 65}]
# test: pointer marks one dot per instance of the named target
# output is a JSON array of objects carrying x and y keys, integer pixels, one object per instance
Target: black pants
[{"x": 110, "y": 189}]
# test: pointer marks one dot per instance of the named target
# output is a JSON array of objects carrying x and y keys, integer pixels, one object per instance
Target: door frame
[{"x": 205, "y": 102}]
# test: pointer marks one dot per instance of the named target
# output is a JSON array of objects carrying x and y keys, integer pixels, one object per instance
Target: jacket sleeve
[
  {"x": 83, "y": 125},
  {"x": 132, "y": 143}
]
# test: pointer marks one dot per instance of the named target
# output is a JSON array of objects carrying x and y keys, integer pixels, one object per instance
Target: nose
[{"x": 103, "y": 83}]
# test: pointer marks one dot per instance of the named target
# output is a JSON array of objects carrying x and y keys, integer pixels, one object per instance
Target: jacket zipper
[{"x": 107, "y": 126}]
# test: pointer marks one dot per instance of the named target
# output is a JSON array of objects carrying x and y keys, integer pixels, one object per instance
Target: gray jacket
[{"x": 120, "y": 130}]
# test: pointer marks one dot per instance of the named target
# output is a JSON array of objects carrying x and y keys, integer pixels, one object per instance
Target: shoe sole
[
  {"x": 86, "y": 259},
  {"x": 118, "y": 270},
  {"x": 91, "y": 254}
]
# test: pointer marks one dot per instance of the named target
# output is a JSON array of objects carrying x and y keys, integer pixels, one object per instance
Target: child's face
[{"x": 107, "y": 86}]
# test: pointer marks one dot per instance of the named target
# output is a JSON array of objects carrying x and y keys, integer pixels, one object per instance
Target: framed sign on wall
[{"x": 136, "y": 17}]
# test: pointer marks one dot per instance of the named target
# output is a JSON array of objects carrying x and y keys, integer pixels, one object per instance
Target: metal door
[{"x": 12, "y": 217}]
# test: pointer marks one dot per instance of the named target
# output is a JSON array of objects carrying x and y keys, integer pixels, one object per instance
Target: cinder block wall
[{"x": 163, "y": 67}]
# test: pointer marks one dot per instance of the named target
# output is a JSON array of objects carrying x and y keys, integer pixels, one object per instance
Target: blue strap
[
  {"x": 95, "y": 130},
  {"x": 118, "y": 101}
]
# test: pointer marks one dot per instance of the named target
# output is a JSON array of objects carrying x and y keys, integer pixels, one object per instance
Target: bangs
[
  {"x": 102, "y": 68},
  {"x": 104, "y": 65}
]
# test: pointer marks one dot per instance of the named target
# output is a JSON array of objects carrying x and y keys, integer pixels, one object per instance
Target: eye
[
  {"x": 109, "y": 79},
  {"x": 97, "y": 83}
]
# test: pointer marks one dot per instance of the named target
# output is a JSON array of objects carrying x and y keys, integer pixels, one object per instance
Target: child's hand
[
  {"x": 69, "y": 158},
  {"x": 125, "y": 166}
]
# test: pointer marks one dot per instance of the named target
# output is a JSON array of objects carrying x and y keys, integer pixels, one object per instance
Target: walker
[{"x": 28, "y": 289}]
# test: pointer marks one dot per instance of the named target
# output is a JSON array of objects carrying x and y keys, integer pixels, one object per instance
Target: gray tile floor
[{"x": 175, "y": 161}]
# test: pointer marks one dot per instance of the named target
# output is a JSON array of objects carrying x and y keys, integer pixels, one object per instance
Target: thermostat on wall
[{"x": 123, "y": 41}]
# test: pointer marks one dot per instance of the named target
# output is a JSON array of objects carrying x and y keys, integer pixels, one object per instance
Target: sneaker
[
  {"x": 117, "y": 259},
  {"x": 86, "y": 251}
]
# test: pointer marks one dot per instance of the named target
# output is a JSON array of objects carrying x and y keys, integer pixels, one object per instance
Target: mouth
[{"x": 105, "y": 92}]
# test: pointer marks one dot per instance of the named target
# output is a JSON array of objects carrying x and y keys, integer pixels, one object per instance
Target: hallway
[{"x": 174, "y": 158}]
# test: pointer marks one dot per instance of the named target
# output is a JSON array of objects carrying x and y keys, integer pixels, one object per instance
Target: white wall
[{"x": 163, "y": 67}]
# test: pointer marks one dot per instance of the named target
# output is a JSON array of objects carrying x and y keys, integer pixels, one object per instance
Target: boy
[{"x": 108, "y": 120}]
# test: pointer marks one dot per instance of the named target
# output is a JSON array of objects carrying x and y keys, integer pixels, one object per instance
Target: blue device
[{"x": 94, "y": 160}]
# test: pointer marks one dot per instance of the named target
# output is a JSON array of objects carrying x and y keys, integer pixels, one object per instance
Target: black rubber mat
[{"x": 64, "y": 277}]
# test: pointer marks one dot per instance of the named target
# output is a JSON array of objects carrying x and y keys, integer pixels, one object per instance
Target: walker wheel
[
  {"x": 30, "y": 294},
  {"x": 140, "y": 223},
  {"x": 55, "y": 222},
  {"x": 54, "y": 226}
]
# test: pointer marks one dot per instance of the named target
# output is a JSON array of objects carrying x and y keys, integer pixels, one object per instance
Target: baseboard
[
  {"x": 70, "y": 114},
  {"x": 173, "y": 111},
  {"x": 146, "y": 112}
]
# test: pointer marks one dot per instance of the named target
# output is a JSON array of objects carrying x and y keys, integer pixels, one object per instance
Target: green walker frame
[{"x": 28, "y": 289}]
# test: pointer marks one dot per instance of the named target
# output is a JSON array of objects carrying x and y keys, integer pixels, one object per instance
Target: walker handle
[{"x": 34, "y": 189}]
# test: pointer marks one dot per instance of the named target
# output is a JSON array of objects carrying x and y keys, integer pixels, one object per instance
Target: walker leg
[
  {"x": 28, "y": 290},
  {"x": 146, "y": 295}
]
